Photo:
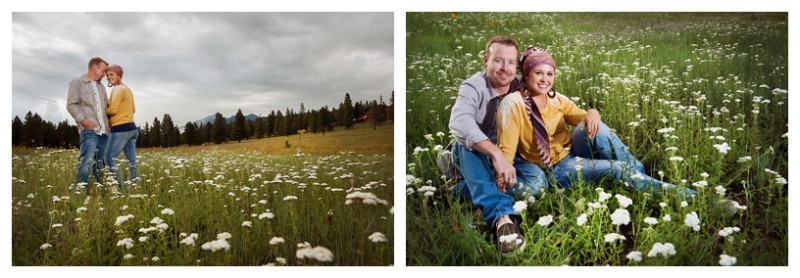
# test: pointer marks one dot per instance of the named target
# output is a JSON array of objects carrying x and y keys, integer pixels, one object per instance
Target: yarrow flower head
[
  {"x": 665, "y": 249},
  {"x": 318, "y": 253},
  {"x": 189, "y": 240},
  {"x": 582, "y": 219},
  {"x": 726, "y": 260},
  {"x": 545, "y": 220},
  {"x": 650, "y": 220},
  {"x": 623, "y": 201},
  {"x": 276, "y": 241},
  {"x": 377, "y": 237},
  {"x": 611, "y": 237},
  {"x": 520, "y": 206},
  {"x": 167, "y": 211},
  {"x": 620, "y": 217},
  {"x": 693, "y": 221},
  {"x": 634, "y": 256}
]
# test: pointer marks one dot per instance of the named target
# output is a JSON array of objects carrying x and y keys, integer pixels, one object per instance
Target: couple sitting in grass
[{"x": 511, "y": 136}]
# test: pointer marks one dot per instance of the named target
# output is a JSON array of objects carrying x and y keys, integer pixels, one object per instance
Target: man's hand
[
  {"x": 506, "y": 174},
  {"x": 87, "y": 124},
  {"x": 591, "y": 123}
]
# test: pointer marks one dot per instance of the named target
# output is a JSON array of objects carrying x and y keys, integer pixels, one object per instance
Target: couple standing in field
[
  {"x": 511, "y": 137},
  {"x": 106, "y": 126}
]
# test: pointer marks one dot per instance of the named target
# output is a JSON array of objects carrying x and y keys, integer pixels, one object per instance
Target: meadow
[
  {"x": 323, "y": 200},
  {"x": 700, "y": 98}
]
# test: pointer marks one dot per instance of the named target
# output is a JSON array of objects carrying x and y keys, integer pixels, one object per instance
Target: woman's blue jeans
[
  {"x": 606, "y": 157},
  {"x": 124, "y": 141},
  {"x": 479, "y": 183}
]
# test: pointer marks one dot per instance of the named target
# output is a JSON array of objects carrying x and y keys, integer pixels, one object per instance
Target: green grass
[
  {"x": 713, "y": 77},
  {"x": 212, "y": 190}
]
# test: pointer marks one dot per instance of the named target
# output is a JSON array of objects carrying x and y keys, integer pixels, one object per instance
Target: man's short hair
[
  {"x": 95, "y": 61},
  {"x": 507, "y": 41}
]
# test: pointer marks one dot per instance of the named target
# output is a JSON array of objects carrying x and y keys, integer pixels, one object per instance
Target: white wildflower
[
  {"x": 545, "y": 220},
  {"x": 620, "y": 217}
]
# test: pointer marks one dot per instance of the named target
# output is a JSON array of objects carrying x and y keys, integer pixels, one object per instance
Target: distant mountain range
[{"x": 228, "y": 120}]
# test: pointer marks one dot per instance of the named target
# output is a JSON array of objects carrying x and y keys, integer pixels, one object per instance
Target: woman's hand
[{"x": 591, "y": 123}]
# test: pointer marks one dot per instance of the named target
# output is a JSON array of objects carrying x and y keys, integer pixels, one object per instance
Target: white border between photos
[{"x": 399, "y": 10}]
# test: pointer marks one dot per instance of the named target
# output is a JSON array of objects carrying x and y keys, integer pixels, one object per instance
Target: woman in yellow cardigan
[
  {"x": 532, "y": 127},
  {"x": 123, "y": 130}
]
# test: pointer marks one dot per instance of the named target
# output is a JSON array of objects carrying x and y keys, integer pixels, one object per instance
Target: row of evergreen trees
[{"x": 35, "y": 132}]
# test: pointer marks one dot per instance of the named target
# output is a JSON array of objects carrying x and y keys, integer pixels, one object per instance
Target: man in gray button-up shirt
[
  {"x": 486, "y": 172},
  {"x": 87, "y": 102}
]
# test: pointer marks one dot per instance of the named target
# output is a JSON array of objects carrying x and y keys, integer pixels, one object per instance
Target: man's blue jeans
[
  {"x": 605, "y": 156},
  {"x": 479, "y": 183},
  {"x": 124, "y": 141},
  {"x": 92, "y": 150}
]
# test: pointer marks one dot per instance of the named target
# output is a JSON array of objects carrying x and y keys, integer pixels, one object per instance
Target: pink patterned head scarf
[{"x": 534, "y": 56}]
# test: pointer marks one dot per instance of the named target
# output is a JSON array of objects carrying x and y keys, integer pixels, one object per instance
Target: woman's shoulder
[
  {"x": 513, "y": 97},
  {"x": 121, "y": 88}
]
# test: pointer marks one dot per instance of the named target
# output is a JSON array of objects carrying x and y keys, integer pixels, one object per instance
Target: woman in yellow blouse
[
  {"x": 532, "y": 126},
  {"x": 123, "y": 130}
]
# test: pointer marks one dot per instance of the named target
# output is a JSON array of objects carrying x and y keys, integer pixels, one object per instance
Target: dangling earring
[
  {"x": 110, "y": 85},
  {"x": 553, "y": 94}
]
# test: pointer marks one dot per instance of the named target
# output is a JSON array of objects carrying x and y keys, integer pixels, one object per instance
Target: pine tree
[
  {"x": 155, "y": 134},
  {"x": 218, "y": 129},
  {"x": 167, "y": 132},
  {"x": 259, "y": 127},
  {"x": 347, "y": 112},
  {"x": 16, "y": 131},
  {"x": 238, "y": 128}
]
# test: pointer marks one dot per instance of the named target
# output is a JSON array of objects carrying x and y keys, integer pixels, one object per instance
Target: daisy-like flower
[
  {"x": 693, "y": 221},
  {"x": 167, "y": 211},
  {"x": 582, "y": 219},
  {"x": 268, "y": 215},
  {"x": 665, "y": 249},
  {"x": 684, "y": 204},
  {"x": 623, "y": 201},
  {"x": 676, "y": 158},
  {"x": 700, "y": 184},
  {"x": 634, "y": 256},
  {"x": 127, "y": 242},
  {"x": 666, "y": 218},
  {"x": 611, "y": 237},
  {"x": 720, "y": 190},
  {"x": 722, "y": 148},
  {"x": 156, "y": 220},
  {"x": 276, "y": 241},
  {"x": 545, "y": 220},
  {"x": 604, "y": 196},
  {"x": 318, "y": 253},
  {"x": 366, "y": 198},
  {"x": 215, "y": 245},
  {"x": 650, "y": 220},
  {"x": 377, "y": 237},
  {"x": 45, "y": 246},
  {"x": 728, "y": 231},
  {"x": 662, "y": 204},
  {"x": 122, "y": 219},
  {"x": 520, "y": 206},
  {"x": 190, "y": 239},
  {"x": 143, "y": 239},
  {"x": 620, "y": 217},
  {"x": 247, "y": 224},
  {"x": 726, "y": 260}
]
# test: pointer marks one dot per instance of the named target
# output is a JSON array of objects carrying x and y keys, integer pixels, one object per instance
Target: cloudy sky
[{"x": 192, "y": 65}]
